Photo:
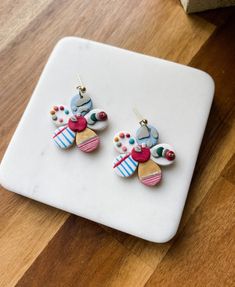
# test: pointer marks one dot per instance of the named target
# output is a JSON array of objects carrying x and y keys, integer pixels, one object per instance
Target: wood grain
[
  {"x": 94, "y": 259},
  {"x": 204, "y": 253},
  {"x": 16, "y": 16},
  {"x": 43, "y": 246},
  {"x": 26, "y": 227}
]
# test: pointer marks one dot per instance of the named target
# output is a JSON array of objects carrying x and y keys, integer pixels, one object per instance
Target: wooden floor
[{"x": 43, "y": 246}]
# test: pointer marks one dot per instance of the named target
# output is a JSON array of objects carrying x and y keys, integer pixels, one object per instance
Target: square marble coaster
[{"x": 174, "y": 98}]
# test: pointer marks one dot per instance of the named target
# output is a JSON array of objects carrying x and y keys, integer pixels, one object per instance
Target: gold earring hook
[
  {"x": 81, "y": 87},
  {"x": 142, "y": 120}
]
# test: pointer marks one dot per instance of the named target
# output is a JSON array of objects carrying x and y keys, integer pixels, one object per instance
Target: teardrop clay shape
[
  {"x": 124, "y": 165},
  {"x": 87, "y": 140},
  {"x": 64, "y": 137},
  {"x": 149, "y": 173}
]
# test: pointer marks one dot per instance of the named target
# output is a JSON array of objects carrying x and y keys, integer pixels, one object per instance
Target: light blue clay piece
[
  {"x": 81, "y": 104},
  {"x": 148, "y": 135}
]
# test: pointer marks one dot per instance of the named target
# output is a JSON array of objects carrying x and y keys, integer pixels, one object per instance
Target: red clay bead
[
  {"x": 61, "y": 108},
  {"x": 122, "y": 135},
  {"x": 170, "y": 155},
  {"x": 141, "y": 156},
  {"x": 56, "y": 108},
  {"x": 79, "y": 125},
  {"x": 103, "y": 116}
]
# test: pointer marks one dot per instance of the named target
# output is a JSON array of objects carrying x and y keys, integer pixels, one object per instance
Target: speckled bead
[
  {"x": 81, "y": 104},
  {"x": 147, "y": 135}
]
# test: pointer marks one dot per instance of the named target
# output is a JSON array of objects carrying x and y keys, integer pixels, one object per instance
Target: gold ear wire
[
  {"x": 142, "y": 121},
  {"x": 81, "y": 87}
]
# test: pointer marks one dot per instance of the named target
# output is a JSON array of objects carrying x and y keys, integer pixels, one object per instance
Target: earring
[
  {"x": 142, "y": 152},
  {"x": 78, "y": 122}
]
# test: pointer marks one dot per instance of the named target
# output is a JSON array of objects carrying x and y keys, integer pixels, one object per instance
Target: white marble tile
[{"x": 175, "y": 98}]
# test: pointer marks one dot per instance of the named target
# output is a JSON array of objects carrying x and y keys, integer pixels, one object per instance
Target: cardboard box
[{"x": 191, "y": 6}]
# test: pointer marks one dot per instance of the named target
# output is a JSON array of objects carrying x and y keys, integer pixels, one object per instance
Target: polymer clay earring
[
  {"x": 78, "y": 122},
  {"x": 142, "y": 152}
]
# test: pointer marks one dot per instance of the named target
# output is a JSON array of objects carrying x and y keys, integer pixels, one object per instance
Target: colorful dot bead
[
  {"x": 119, "y": 144},
  {"x": 126, "y": 139},
  {"x": 60, "y": 115},
  {"x": 131, "y": 141}
]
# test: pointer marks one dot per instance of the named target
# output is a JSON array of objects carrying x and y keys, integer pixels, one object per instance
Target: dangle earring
[
  {"x": 142, "y": 152},
  {"x": 78, "y": 123}
]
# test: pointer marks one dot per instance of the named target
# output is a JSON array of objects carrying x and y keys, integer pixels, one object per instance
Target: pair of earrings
[
  {"x": 78, "y": 123},
  {"x": 143, "y": 152}
]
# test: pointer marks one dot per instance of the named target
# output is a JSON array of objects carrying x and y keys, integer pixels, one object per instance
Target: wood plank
[
  {"x": 92, "y": 256},
  {"x": 160, "y": 29},
  {"x": 229, "y": 170},
  {"x": 26, "y": 228},
  {"x": 16, "y": 16},
  {"x": 218, "y": 17},
  {"x": 204, "y": 254}
]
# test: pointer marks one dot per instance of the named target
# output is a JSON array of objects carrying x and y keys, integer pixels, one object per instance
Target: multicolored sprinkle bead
[
  {"x": 124, "y": 142},
  {"x": 60, "y": 115}
]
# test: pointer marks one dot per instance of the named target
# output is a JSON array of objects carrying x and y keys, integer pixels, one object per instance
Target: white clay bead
[
  {"x": 64, "y": 137},
  {"x": 124, "y": 165},
  {"x": 60, "y": 115},
  {"x": 97, "y": 119},
  {"x": 124, "y": 142},
  {"x": 163, "y": 154}
]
